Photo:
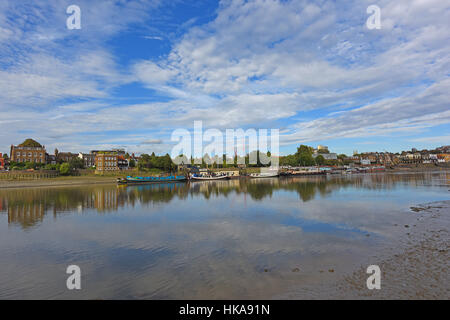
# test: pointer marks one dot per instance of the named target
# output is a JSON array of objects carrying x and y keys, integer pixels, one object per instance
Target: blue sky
[{"x": 137, "y": 70}]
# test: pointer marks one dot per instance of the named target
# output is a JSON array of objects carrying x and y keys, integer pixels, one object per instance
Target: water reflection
[
  {"x": 27, "y": 207},
  {"x": 218, "y": 239}
]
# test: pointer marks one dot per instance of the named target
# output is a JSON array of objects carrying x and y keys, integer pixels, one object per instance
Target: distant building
[
  {"x": 106, "y": 162},
  {"x": 119, "y": 152},
  {"x": 352, "y": 159},
  {"x": 322, "y": 148},
  {"x": 88, "y": 159},
  {"x": 443, "y": 157},
  {"x": 50, "y": 158},
  {"x": 326, "y": 156},
  {"x": 387, "y": 159},
  {"x": 122, "y": 163},
  {"x": 443, "y": 149},
  {"x": 324, "y": 152},
  {"x": 330, "y": 156},
  {"x": 134, "y": 158},
  {"x": 28, "y": 151},
  {"x": 411, "y": 158},
  {"x": 64, "y": 156},
  {"x": 2, "y": 162}
]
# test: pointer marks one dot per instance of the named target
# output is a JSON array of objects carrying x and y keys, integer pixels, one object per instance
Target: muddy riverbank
[
  {"x": 417, "y": 267},
  {"x": 57, "y": 182}
]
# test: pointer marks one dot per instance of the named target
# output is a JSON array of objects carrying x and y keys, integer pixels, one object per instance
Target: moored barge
[{"x": 143, "y": 180}]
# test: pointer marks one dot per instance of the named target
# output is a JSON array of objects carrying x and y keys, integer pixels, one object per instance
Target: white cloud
[
  {"x": 152, "y": 141},
  {"x": 257, "y": 63},
  {"x": 320, "y": 55},
  {"x": 445, "y": 140}
]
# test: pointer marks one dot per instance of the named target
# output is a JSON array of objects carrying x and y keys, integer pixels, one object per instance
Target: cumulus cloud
[
  {"x": 320, "y": 56},
  {"x": 310, "y": 67},
  {"x": 152, "y": 141}
]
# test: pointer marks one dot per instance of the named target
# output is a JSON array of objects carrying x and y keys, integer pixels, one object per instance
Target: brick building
[
  {"x": 122, "y": 163},
  {"x": 2, "y": 162},
  {"x": 106, "y": 162},
  {"x": 28, "y": 151},
  {"x": 50, "y": 158},
  {"x": 88, "y": 159},
  {"x": 64, "y": 156},
  {"x": 443, "y": 157}
]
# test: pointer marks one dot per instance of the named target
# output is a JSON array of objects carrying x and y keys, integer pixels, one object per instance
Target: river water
[{"x": 235, "y": 239}]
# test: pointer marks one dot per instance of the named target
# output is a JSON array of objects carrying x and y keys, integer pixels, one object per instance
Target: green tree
[
  {"x": 141, "y": 165},
  {"x": 320, "y": 160},
  {"x": 303, "y": 149},
  {"x": 30, "y": 165},
  {"x": 306, "y": 159},
  {"x": 50, "y": 167},
  {"x": 76, "y": 163},
  {"x": 64, "y": 169},
  {"x": 304, "y": 155}
]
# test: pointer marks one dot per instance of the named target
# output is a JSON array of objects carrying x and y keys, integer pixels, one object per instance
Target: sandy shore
[
  {"x": 417, "y": 267},
  {"x": 57, "y": 182}
]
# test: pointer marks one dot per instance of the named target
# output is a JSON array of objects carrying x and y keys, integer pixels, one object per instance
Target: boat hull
[
  {"x": 264, "y": 176},
  {"x": 209, "y": 178},
  {"x": 149, "y": 180}
]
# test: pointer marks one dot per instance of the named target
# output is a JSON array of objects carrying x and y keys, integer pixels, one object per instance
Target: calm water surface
[{"x": 226, "y": 239}]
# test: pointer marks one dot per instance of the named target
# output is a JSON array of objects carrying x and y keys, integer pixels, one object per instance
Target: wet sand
[{"x": 417, "y": 267}]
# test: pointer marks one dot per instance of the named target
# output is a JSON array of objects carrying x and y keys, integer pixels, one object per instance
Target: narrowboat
[{"x": 151, "y": 179}]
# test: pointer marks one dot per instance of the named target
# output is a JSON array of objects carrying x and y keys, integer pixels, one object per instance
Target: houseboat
[
  {"x": 204, "y": 177},
  {"x": 143, "y": 180},
  {"x": 209, "y": 177}
]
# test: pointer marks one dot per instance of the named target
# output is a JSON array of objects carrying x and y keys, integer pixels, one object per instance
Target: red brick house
[{"x": 2, "y": 162}]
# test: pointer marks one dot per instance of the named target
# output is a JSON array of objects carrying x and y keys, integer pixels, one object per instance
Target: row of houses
[
  {"x": 369, "y": 158},
  {"x": 418, "y": 157},
  {"x": 103, "y": 160},
  {"x": 439, "y": 155}
]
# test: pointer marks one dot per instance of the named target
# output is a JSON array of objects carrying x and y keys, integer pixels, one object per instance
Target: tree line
[{"x": 304, "y": 157}]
